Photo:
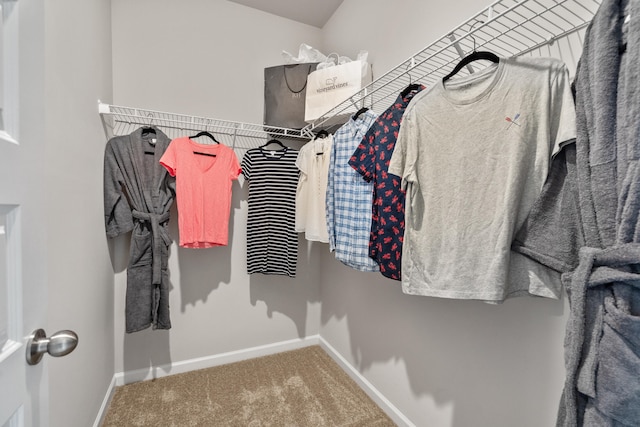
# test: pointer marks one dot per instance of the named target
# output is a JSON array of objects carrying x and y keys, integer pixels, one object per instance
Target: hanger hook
[
  {"x": 150, "y": 116},
  {"x": 472, "y": 37},
  {"x": 410, "y": 65}
]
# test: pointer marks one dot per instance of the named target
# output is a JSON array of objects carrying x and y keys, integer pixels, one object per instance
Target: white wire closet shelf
[
  {"x": 119, "y": 120},
  {"x": 507, "y": 28}
]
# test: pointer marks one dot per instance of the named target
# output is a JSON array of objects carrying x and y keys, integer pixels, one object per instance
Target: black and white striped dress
[{"x": 272, "y": 242}]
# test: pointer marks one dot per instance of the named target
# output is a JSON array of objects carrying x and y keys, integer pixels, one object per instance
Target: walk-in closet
[{"x": 478, "y": 330}]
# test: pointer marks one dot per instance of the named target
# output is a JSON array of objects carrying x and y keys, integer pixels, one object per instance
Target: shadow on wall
[
  {"x": 146, "y": 352},
  {"x": 119, "y": 252},
  {"x": 466, "y": 362},
  {"x": 147, "y": 348},
  {"x": 289, "y": 296},
  {"x": 203, "y": 270},
  {"x": 292, "y": 296}
]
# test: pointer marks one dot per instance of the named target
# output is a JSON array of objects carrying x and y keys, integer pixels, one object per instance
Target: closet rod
[
  {"x": 441, "y": 69},
  {"x": 119, "y": 120},
  {"x": 506, "y": 27}
]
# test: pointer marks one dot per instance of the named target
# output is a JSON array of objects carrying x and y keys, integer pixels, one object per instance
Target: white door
[
  {"x": 23, "y": 297},
  {"x": 13, "y": 379}
]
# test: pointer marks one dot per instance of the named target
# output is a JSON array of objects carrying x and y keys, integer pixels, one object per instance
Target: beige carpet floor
[{"x": 296, "y": 388}]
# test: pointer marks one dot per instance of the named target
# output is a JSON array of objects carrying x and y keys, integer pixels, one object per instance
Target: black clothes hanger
[
  {"x": 146, "y": 130},
  {"x": 322, "y": 134},
  {"x": 274, "y": 141},
  {"x": 204, "y": 154},
  {"x": 407, "y": 90},
  {"x": 205, "y": 133},
  {"x": 473, "y": 56},
  {"x": 360, "y": 111}
]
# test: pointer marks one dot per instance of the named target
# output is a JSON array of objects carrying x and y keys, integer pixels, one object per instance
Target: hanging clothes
[
  {"x": 473, "y": 156},
  {"x": 371, "y": 160},
  {"x": 349, "y": 198},
  {"x": 204, "y": 176},
  {"x": 272, "y": 242},
  {"x": 311, "y": 208},
  {"x": 138, "y": 193},
  {"x": 586, "y": 225}
]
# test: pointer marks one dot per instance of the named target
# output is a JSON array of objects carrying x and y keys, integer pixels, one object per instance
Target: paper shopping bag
[
  {"x": 328, "y": 87},
  {"x": 284, "y": 94}
]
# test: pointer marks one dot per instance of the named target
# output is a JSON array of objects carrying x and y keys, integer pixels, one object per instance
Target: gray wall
[
  {"x": 77, "y": 64},
  {"x": 441, "y": 362},
  {"x": 207, "y": 58}
]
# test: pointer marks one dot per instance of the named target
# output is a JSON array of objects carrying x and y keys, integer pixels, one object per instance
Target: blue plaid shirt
[{"x": 349, "y": 198}]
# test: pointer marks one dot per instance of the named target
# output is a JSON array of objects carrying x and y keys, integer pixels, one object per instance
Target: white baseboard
[
  {"x": 211, "y": 361},
  {"x": 122, "y": 378},
  {"x": 105, "y": 402},
  {"x": 389, "y": 408}
]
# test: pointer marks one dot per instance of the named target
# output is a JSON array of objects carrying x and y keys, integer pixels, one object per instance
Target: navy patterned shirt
[{"x": 371, "y": 159}]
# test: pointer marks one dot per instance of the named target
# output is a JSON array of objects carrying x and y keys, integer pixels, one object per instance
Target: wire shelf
[
  {"x": 119, "y": 120},
  {"x": 507, "y": 27}
]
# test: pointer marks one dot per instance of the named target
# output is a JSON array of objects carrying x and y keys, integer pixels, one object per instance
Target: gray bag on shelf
[{"x": 285, "y": 89}]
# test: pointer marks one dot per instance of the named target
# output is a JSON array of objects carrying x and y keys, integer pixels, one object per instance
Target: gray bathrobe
[
  {"x": 587, "y": 226},
  {"x": 138, "y": 193}
]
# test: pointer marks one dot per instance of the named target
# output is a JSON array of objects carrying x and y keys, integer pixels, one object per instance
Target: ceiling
[{"x": 311, "y": 12}]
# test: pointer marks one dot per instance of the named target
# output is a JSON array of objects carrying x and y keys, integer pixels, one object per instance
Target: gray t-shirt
[{"x": 473, "y": 156}]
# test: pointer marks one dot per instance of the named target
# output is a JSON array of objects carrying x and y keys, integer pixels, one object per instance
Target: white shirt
[{"x": 313, "y": 162}]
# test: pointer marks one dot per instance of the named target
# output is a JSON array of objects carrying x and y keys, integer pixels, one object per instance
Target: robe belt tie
[
  {"x": 596, "y": 267},
  {"x": 157, "y": 233}
]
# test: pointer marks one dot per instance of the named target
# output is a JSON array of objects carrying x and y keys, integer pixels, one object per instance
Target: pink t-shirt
[{"x": 204, "y": 176}]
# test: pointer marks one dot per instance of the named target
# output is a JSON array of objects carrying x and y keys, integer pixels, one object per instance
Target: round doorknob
[{"x": 59, "y": 344}]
